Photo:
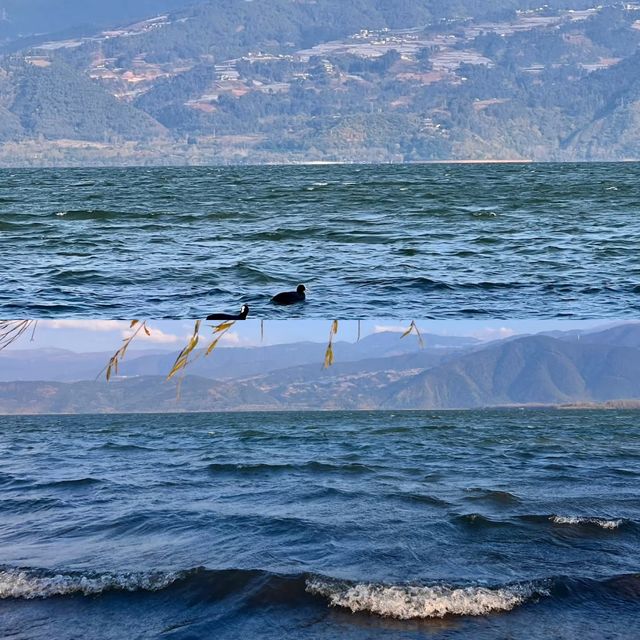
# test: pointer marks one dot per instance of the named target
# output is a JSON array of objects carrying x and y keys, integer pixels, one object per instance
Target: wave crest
[
  {"x": 436, "y": 601},
  {"x": 597, "y": 522},
  {"x": 29, "y": 584}
]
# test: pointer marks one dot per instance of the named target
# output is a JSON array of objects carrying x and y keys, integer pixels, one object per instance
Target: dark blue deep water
[
  {"x": 494, "y": 524},
  {"x": 436, "y": 241}
]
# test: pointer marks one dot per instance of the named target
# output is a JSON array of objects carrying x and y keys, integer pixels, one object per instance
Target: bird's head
[
  {"x": 301, "y": 289},
  {"x": 244, "y": 310}
]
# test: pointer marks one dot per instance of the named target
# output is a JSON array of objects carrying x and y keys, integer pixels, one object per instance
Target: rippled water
[
  {"x": 351, "y": 525},
  {"x": 441, "y": 241}
]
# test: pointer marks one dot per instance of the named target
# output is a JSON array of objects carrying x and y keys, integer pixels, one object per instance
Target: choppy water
[
  {"x": 479, "y": 525},
  {"x": 545, "y": 241}
]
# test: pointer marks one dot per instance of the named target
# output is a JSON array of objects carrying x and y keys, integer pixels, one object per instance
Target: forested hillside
[{"x": 170, "y": 81}]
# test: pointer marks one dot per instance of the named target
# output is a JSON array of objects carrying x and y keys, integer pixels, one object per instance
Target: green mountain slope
[
  {"x": 367, "y": 80},
  {"x": 55, "y": 102}
]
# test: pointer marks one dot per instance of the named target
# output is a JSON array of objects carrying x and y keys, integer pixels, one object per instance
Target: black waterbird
[
  {"x": 244, "y": 312},
  {"x": 290, "y": 297}
]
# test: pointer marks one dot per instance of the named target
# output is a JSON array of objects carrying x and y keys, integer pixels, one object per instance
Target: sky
[{"x": 107, "y": 335}]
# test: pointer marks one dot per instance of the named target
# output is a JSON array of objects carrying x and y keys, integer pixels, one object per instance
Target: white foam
[
  {"x": 485, "y": 214},
  {"x": 28, "y": 584},
  {"x": 598, "y": 522},
  {"x": 438, "y": 601}
]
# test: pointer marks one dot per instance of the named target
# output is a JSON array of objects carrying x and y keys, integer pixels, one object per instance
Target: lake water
[
  {"x": 417, "y": 241},
  {"x": 489, "y": 524}
]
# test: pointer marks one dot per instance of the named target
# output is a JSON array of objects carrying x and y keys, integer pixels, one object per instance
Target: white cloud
[
  {"x": 487, "y": 334},
  {"x": 86, "y": 325},
  {"x": 383, "y": 328},
  {"x": 231, "y": 338},
  {"x": 155, "y": 335},
  {"x": 123, "y": 327}
]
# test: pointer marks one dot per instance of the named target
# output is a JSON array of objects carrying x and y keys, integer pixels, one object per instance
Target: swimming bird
[
  {"x": 290, "y": 297},
  {"x": 244, "y": 312}
]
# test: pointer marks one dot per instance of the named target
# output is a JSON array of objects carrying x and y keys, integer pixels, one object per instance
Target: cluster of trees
[{"x": 56, "y": 102}]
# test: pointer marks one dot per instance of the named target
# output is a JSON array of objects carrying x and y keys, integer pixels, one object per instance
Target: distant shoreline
[
  {"x": 90, "y": 164},
  {"x": 612, "y": 405}
]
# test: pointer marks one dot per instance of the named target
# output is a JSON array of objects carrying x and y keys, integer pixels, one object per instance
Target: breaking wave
[
  {"x": 436, "y": 601},
  {"x": 29, "y": 584},
  {"x": 595, "y": 522},
  {"x": 399, "y": 601},
  {"x": 396, "y": 601}
]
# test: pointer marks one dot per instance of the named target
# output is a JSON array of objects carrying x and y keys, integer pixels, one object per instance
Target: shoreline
[
  {"x": 610, "y": 405},
  {"x": 91, "y": 163}
]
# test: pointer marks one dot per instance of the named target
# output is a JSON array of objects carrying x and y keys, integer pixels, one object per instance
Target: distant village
[
  {"x": 431, "y": 91},
  {"x": 448, "y": 51}
]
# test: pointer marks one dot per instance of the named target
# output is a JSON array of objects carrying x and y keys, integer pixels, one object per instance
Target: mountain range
[
  {"x": 379, "y": 372},
  {"x": 236, "y": 81}
]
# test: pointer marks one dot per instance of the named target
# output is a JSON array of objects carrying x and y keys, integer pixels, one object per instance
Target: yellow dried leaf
[
  {"x": 121, "y": 352},
  {"x": 224, "y": 326},
  {"x": 212, "y": 346},
  {"x": 328, "y": 356},
  {"x": 414, "y": 327},
  {"x": 183, "y": 357},
  {"x": 407, "y": 332}
]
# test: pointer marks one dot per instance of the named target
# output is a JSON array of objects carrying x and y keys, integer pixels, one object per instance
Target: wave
[
  {"x": 406, "y": 602},
  {"x": 420, "y": 498},
  {"x": 28, "y": 584},
  {"x": 396, "y": 601},
  {"x": 478, "y": 520},
  {"x": 401, "y": 601},
  {"x": 91, "y": 214},
  {"x": 71, "y": 276},
  {"x": 12, "y": 226},
  {"x": 484, "y": 214},
  {"x": 424, "y": 283},
  {"x": 286, "y": 234},
  {"x": 249, "y": 273},
  {"x": 482, "y": 521},
  {"x": 6, "y": 479},
  {"x": 596, "y": 522},
  {"x": 313, "y": 466},
  {"x": 116, "y": 446},
  {"x": 29, "y": 505},
  {"x": 610, "y": 524},
  {"x": 70, "y": 483},
  {"x": 491, "y": 496}
]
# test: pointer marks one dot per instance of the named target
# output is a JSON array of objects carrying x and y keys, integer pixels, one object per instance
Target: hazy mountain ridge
[
  {"x": 599, "y": 367},
  {"x": 235, "y": 81},
  {"x": 531, "y": 370},
  {"x": 61, "y": 365}
]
